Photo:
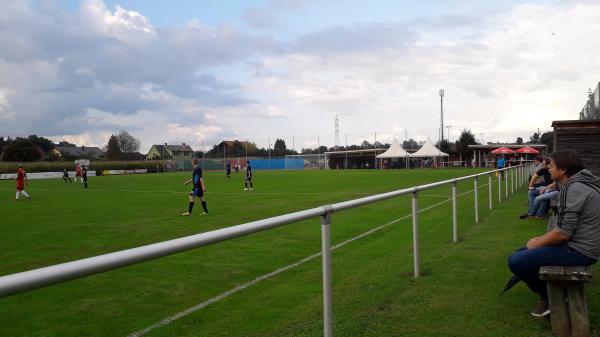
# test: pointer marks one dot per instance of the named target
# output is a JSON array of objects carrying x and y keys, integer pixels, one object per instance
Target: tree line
[
  {"x": 124, "y": 146},
  {"x": 120, "y": 146}
]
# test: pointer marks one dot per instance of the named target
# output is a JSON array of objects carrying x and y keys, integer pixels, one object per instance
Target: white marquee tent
[
  {"x": 428, "y": 150},
  {"x": 395, "y": 151}
]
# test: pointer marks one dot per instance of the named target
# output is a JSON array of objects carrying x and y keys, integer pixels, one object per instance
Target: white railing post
[
  {"x": 415, "y": 232},
  {"x": 512, "y": 181},
  {"x": 326, "y": 254},
  {"x": 490, "y": 189},
  {"x": 476, "y": 189},
  {"x": 499, "y": 186},
  {"x": 454, "y": 214},
  {"x": 505, "y": 182}
]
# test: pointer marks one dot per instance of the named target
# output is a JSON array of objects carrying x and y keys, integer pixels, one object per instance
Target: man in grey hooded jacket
[{"x": 574, "y": 236}]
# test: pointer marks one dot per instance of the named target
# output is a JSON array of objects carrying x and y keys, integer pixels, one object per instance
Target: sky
[{"x": 198, "y": 72}]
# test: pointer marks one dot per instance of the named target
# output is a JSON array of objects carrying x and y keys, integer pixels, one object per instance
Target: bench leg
[
  {"x": 578, "y": 312},
  {"x": 559, "y": 311}
]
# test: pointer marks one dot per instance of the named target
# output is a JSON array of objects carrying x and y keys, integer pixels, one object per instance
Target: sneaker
[
  {"x": 542, "y": 309},
  {"x": 204, "y": 213},
  {"x": 245, "y": 189},
  {"x": 186, "y": 214},
  {"x": 252, "y": 189},
  {"x": 523, "y": 216}
]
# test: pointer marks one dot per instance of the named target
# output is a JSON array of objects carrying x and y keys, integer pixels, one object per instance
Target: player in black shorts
[
  {"x": 84, "y": 175},
  {"x": 66, "y": 177},
  {"x": 248, "y": 178},
  {"x": 198, "y": 190}
]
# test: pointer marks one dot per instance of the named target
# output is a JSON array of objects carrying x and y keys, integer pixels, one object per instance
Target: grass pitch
[{"x": 374, "y": 291}]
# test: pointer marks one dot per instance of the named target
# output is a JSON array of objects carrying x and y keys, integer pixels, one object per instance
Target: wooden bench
[{"x": 568, "y": 304}]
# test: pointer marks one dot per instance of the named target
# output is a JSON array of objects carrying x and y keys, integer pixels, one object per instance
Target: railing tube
[
  {"x": 499, "y": 186},
  {"x": 490, "y": 189},
  {"x": 327, "y": 293},
  {"x": 476, "y": 190},
  {"x": 505, "y": 182},
  {"x": 454, "y": 214},
  {"x": 512, "y": 181},
  {"x": 415, "y": 232}
]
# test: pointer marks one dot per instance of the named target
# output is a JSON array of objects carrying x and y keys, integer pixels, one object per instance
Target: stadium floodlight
[{"x": 441, "y": 115}]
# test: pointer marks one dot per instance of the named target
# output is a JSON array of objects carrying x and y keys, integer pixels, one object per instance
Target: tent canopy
[
  {"x": 528, "y": 149},
  {"x": 429, "y": 150},
  {"x": 503, "y": 150},
  {"x": 395, "y": 151}
]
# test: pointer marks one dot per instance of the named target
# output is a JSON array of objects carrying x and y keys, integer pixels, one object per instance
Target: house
[
  {"x": 92, "y": 152},
  {"x": 174, "y": 152},
  {"x": 236, "y": 147}
]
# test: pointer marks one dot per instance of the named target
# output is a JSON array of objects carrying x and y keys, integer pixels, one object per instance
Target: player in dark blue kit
[
  {"x": 198, "y": 190},
  {"x": 228, "y": 170},
  {"x": 248, "y": 178}
]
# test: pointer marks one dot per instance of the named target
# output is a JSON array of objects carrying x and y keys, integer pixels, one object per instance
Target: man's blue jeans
[
  {"x": 531, "y": 195},
  {"x": 525, "y": 263},
  {"x": 541, "y": 203}
]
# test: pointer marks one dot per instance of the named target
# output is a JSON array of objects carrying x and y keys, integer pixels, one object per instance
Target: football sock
[
  {"x": 190, "y": 207},
  {"x": 25, "y": 194},
  {"x": 17, "y": 196},
  {"x": 251, "y": 185},
  {"x": 204, "y": 206}
]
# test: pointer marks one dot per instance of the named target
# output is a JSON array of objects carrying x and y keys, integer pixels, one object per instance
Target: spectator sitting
[
  {"x": 536, "y": 189},
  {"x": 538, "y": 209},
  {"x": 539, "y": 163},
  {"x": 574, "y": 236}
]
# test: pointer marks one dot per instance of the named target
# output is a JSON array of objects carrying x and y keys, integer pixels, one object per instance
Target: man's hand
[
  {"x": 542, "y": 190},
  {"x": 534, "y": 243}
]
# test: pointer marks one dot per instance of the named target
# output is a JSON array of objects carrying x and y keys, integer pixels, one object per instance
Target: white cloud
[{"x": 88, "y": 73}]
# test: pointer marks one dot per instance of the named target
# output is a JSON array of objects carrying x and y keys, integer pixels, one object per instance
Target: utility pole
[
  {"x": 441, "y": 115},
  {"x": 346, "y": 164},
  {"x": 319, "y": 150},
  {"x": 337, "y": 132},
  {"x": 203, "y": 154},
  {"x": 269, "y": 140}
]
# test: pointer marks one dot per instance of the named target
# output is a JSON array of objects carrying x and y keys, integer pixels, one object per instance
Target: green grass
[{"x": 374, "y": 291}]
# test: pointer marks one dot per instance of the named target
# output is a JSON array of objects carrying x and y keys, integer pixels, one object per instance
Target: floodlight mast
[{"x": 441, "y": 115}]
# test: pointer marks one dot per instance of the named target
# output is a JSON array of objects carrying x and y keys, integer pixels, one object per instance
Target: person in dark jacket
[{"x": 574, "y": 235}]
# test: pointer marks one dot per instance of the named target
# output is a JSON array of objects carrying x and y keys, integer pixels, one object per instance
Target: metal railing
[{"x": 42, "y": 277}]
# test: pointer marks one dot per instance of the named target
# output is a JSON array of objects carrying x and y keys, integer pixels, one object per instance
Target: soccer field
[{"x": 65, "y": 222}]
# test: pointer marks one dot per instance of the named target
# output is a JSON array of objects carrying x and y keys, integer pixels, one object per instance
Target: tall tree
[
  {"x": 534, "y": 139},
  {"x": 279, "y": 148},
  {"x": 410, "y": 144},
  {"x": 466, "y": 139},
  {"x": 2, "y": 144},
  {"x": 444, "y": 146},
  {"x": 21, "y": 149},
  {"x": 43, "y": 143},
  {"x": 519, "y": 141},
  {"x": 547, "y": 138},
  {"x": 365, "y": 145},
  {"x": 127, "y": 142},
  {"x": 113, "y": 151}
]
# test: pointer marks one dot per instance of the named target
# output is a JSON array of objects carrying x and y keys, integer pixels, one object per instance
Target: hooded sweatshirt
[{"x": 579, "y": 213}]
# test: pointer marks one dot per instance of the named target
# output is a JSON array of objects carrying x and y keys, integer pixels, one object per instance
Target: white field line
[
  {"x": 92, "y": 190},
  {"x": 243, "y": 286}
]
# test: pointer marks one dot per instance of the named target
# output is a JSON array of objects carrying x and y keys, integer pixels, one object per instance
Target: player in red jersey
[
  {"x": 21, "y": 182},
  {"x": 78, "y": 173}
]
